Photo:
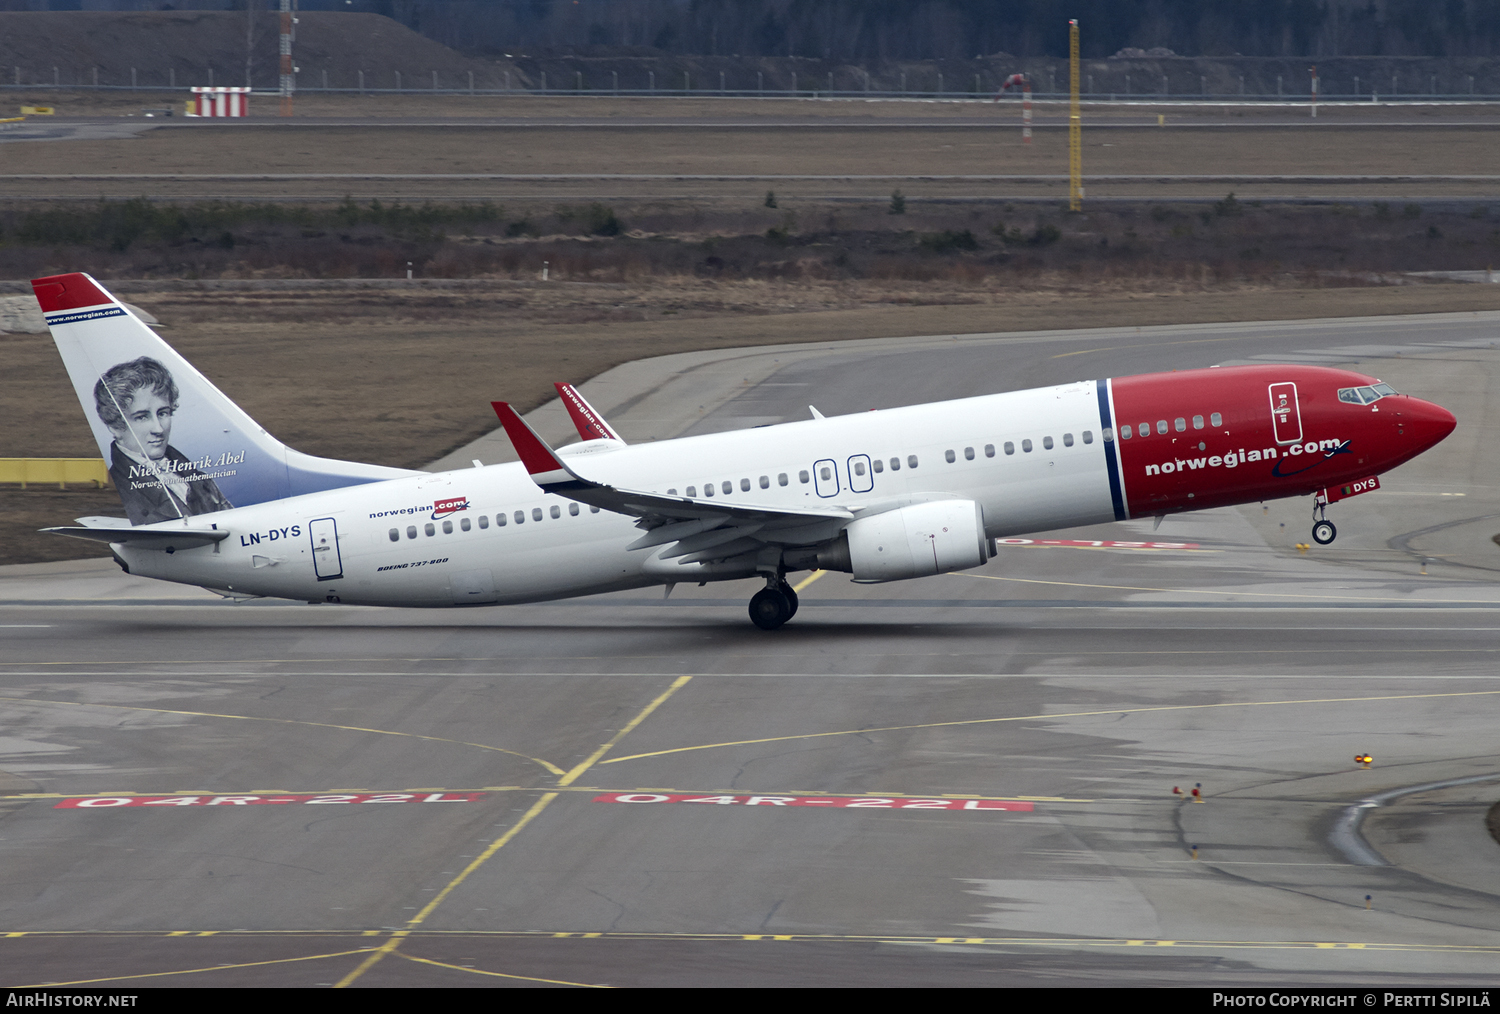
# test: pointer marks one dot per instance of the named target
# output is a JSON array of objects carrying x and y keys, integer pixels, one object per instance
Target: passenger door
[
  {"x": 1286, "y": 416},
  {"x": 327, "y": 563}
]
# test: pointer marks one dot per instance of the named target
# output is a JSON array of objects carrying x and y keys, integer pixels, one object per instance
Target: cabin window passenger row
[
  {"x": 411, "y": 531},
  {"x": 895, "y": 464},
  {"x": 1067, "y": 440},
  {"x": 484, "y": 520},
  {"x": 859, "y": 468},
  {"x": 878, "y": 465},
  {"x": 429, "y": 529},
  {"x": 499, "y": 520},
  {"x": 1026, "y": 446},
  {"x": 989, "y": 450},
  {"x": 1047, "y": 443},
  {"x": 781, "y": 479},
  {"x": 1216, "y": 420},
  {"x": 465, "y": 524},
  {"x": 447, "y": 527},
  {"x": 968, "y": 454},
  {"x": 536, "y": 514},
  {"x": 802, "y": 475},
  {"x": 1088, "y": 436},
  {"x": 911, "y": 461},
  {"x": 395, "y": 535},
  {"x": 1010, "y": 448},
  {"x": 948, "y": 456},
  {"x": 520, "y": 517}
]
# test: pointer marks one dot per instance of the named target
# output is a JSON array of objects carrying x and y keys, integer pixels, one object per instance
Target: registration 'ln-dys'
[{"x": 212, "y": 499}]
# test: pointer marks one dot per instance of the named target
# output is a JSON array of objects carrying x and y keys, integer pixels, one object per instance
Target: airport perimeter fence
[{"x": 1156, "y": 88}]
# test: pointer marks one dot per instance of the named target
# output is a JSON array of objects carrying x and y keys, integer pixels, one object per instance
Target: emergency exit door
[
  {"x": 327, "y": 563},
  {"x": 1286, "y": 417}
]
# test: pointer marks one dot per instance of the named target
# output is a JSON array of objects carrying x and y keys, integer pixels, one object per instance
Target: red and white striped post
[
  {"x": 1024, "y": 83},
  {"x": 288, "y": 70}
]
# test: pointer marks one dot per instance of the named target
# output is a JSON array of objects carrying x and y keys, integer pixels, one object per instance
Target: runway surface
[{"x": 964, "y": 780}]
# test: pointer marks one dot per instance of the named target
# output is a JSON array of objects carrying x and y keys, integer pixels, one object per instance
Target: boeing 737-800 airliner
[{"x": 212, "y": 499}]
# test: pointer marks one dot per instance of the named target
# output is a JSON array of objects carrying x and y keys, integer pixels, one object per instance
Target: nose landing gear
[
  {"x": 1323, "y": 530},
  {"x": 774, "y": 604}
]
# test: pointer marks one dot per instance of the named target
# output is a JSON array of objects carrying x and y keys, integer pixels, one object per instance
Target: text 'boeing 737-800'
[{"x": 212, "y": 499}]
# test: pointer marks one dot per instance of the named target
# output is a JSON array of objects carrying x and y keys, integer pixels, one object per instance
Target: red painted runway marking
[
  {"x": 110, "y": 802},
  {"x": 1101, "y": 544},
  {"x": 844, "y": 802}
]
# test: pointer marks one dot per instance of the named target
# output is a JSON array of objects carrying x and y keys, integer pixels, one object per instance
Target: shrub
[{"x": 949, "y": 240}]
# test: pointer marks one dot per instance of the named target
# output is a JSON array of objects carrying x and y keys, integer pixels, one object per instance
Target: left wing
[{"x": 702, "y": 529}]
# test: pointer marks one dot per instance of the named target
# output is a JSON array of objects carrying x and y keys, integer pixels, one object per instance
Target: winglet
[
  {"x": 546, "y": 469},
  {"x": 589, "y": 423}
]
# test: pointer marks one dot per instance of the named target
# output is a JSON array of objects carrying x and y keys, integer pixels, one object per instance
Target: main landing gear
[
  {"x": 774, "y": 604},
  {"x": 1323, "y": 531}
]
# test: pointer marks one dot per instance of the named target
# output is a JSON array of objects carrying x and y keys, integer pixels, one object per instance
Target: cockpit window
[{"x": 1365, "y": 395}]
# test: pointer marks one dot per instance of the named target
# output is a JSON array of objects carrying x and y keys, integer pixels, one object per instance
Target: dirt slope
[{"x": 184, "y": 46}]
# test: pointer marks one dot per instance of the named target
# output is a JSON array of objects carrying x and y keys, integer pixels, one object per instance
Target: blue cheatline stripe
[
  {"x": 1109, "y": 452},
  {"x": 73, "y": 318}
]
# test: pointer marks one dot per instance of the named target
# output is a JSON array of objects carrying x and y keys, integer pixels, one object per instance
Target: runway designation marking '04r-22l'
[
  {"x": 846, "y": 802},
  {"x": 107, "y": 802}
]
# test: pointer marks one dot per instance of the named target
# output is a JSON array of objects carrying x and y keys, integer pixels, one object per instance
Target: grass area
[{"x": 1225, "y": 241}]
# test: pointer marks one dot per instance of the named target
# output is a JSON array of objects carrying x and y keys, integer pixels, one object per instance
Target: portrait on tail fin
[{"x": 137, "y": 400}]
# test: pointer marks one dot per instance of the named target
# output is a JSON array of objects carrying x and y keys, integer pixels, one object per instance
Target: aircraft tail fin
[{"x": 175, "y": 444}]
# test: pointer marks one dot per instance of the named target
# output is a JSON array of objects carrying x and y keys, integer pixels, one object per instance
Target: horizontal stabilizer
[{"x": 147, "y": 538}]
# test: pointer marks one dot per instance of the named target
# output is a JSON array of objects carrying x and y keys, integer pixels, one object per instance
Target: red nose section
[{"x": 1429, "y": 423}]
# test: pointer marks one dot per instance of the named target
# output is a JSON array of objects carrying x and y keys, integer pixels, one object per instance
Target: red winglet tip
[
  {"x": 586, "y": 421},
  {"x": 535, "y": 455},
  {"x": 68, "y": 292}
]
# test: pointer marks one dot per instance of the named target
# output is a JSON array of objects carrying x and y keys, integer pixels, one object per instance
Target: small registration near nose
[{"x": 1333, "y": 494}]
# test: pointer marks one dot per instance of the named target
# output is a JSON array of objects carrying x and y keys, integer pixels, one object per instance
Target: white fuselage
[{"x": 436, "y": 540}]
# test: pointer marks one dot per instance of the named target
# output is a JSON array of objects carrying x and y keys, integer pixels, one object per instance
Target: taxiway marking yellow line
[
  {"x": 572, "y": 776},
  {"x": 1396, "y": 946},
  {"x": 550, "y": 767},
  {"x": 1215, "y": 591},
  {"x": 541, "y": 804},
  {"x": 1034, "y": 718},
  {"x": 809, "y": 579},
  {"x": 192, "y": 971},
  {"x": 501, "y": 975}
]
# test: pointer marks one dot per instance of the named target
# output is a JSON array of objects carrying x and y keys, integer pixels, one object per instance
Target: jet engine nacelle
[{"x": 916, "y": 541}]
